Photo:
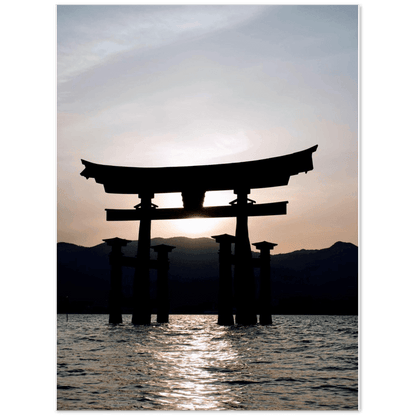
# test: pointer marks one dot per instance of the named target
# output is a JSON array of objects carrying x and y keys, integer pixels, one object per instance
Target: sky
[{"x": 156, "y": 86}]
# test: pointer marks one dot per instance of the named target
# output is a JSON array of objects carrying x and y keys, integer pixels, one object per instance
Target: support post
[
  {"x": 225, "y": 293},
  {"x": 244, "y": 282},
  {"x": 141, "y": 285},
  {"x": 265, "y": 282},
  {"x": 162, "y": 251},
  {"x": 116, "y": 294}
]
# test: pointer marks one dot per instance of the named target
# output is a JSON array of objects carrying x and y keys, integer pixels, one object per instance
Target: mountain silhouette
[{"x": 303, "y": 282}]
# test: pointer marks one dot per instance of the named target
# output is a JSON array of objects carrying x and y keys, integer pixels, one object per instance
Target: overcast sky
[{"x": 187, "y": 85}]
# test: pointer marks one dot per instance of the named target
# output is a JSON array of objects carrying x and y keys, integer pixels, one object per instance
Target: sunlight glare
[{"x": 197, "y": 226}]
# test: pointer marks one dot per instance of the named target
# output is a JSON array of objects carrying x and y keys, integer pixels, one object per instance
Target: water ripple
[{"x": 297, "y": 363}]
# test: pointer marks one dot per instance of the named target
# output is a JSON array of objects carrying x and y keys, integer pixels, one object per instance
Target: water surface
[{"x": 298, "y": 363}]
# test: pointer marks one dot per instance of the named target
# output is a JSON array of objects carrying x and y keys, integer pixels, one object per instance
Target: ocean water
[{"x": 297, "y": 363}]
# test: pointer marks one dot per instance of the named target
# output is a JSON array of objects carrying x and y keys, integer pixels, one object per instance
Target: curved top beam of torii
[{"x": 264, "y": 173}]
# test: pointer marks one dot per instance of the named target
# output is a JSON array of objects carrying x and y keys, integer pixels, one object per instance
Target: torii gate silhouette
[{"x": 192, "y": 182}]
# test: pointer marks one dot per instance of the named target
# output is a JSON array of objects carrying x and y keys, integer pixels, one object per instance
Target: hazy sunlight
[{"x": 196, "y": 226}]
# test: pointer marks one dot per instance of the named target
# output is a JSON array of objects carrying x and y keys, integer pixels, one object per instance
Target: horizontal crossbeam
[
  {"x": 255, "y": 210},
  {"x": 265, "y": 173}
]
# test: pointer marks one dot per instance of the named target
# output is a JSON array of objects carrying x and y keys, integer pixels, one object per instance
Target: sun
[{"x": 197, "y": 226}]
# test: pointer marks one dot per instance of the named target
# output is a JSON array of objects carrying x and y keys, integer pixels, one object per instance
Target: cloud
[{"x": 91, "y": 35}]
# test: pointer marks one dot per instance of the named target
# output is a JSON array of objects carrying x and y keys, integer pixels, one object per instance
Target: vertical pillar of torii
[
  {"x": 162, "y": 251},
  {"x": 116, "y": 294},
  {"x": 265, "y": 282},
  {"x": 141, "y": 284},
  {"x": 244, "y": 283},
  {"x": 225, "y": 292}
]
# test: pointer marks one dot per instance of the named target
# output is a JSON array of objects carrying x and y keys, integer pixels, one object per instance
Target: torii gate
[{"x": 193, "y": 182}]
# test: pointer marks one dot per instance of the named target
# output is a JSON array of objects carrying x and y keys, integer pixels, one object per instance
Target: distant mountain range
[{"x": 303, "y": 282}]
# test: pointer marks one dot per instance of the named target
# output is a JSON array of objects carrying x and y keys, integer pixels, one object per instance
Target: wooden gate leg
[
  {"x": 265, "y": 283},
  {"x": 141, "y": 285},
  {"x": 162, "y": 251},
  {"x": 116, "y": 294},
  {"x": 225, "y": 295},
  {"x": 244, "y": 282}
]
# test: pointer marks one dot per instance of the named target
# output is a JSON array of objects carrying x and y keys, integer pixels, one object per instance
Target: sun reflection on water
[
  {"x": 298, "y": 363},
  {"x": 191, "y": 370}
]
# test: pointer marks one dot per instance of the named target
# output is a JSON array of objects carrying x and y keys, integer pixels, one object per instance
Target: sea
[{"x": 305, "y": 362}]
